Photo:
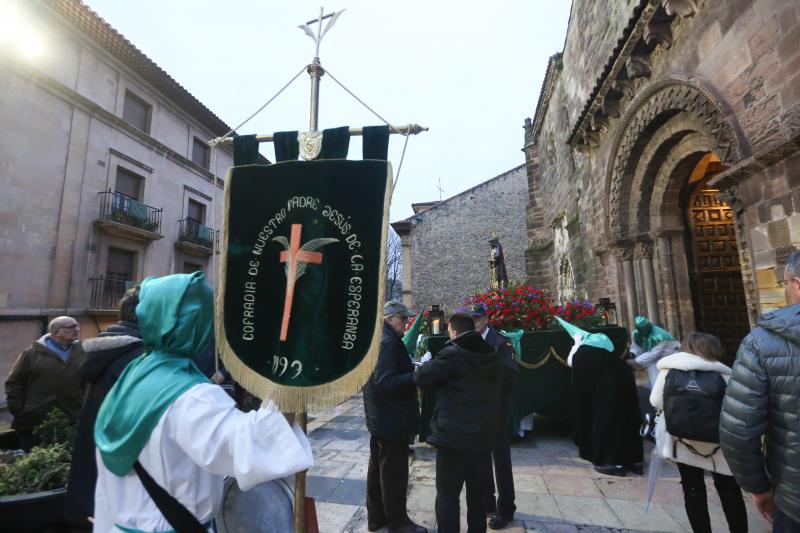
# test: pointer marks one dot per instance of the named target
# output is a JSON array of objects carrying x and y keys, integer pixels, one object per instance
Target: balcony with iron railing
[
  {"x": 195, "y": 238},
  {"x": 124, "y": 216},
  {"x": 106, "y": 293}
]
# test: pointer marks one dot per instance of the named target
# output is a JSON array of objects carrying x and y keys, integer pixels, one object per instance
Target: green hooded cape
[
  {"x": 410, "y": 336},
  {"x": 597, "y": 340},
  {"x": 647, "y": 335},
  {"x": 176, "y": 316}
]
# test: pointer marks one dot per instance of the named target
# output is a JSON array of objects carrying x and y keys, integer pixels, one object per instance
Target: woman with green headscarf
[
  {"x": 649, "y": 344},
  {"x": 184, "y": 431}
]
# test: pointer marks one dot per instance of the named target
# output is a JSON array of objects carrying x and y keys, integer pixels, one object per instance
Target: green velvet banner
[
  {"x": 302, "y": 277},
  {"x": 545, "y": 381}
]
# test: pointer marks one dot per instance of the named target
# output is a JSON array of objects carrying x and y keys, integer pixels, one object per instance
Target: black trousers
[
  {"x": 501, "y": 458},
  {"x": 387, "y": 482},
  {"x": 696, "y": 501},
  {"x": 454, "y": 469}
]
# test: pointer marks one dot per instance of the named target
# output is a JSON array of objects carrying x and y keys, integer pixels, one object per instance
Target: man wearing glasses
[{"x": 44, "y": 376}]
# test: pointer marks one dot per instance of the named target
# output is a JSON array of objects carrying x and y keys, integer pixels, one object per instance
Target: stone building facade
[
  {"x": 663, "y": 160},
  {"x": 445, "y": 243},
  {"x": 105, "y": 173}
]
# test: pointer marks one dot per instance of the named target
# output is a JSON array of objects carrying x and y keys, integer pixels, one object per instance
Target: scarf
[{"x": 176, "y": 316}]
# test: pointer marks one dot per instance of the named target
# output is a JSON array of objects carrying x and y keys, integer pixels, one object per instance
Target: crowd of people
[{"x": 147, "y": 424}]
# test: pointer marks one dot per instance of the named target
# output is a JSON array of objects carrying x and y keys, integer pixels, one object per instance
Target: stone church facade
[
  {"x": 663, "y": 160},
  {"x": 445, "y": 243}
]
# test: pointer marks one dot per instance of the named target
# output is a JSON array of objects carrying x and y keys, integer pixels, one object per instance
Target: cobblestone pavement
[{"x": 555, "y": 490}]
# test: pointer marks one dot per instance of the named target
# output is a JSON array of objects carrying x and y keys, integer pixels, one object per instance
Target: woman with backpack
[{"x": 689, "y": 390}]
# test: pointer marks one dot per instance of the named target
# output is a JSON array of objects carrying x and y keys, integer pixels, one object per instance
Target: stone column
[
  {"x": 644, "y": 253},
  {"x": 625, "y": 257}
]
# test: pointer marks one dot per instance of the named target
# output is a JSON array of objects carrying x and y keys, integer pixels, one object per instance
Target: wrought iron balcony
[
  {"x": 195, "y": 238},
  {"x": 107, "y": 292},
  {"x": 127, "y": 217}
]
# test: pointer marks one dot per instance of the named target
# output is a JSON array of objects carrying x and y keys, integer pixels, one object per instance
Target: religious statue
[{"x": 497, "y": 263}]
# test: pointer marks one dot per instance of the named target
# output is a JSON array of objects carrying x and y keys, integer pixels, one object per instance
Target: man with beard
[{"x": 605, "y": 404}]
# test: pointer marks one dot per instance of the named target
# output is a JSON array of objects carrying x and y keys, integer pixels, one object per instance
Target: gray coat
[{"x": 763, "y": 398}]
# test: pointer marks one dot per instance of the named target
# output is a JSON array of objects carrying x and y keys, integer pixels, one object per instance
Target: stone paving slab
[{"x": 556, "y": 491}]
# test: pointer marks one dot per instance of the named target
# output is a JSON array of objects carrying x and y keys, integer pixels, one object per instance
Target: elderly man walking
[
  {"x": 762, "y": 404},
  {"x": 390, "y": 406},
  {"x": 44, "y": 376}
]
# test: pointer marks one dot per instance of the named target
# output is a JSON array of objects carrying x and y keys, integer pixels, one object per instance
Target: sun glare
[{"x": 17, "y": 34}]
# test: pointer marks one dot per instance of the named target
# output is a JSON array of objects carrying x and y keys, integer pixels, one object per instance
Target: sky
[{"x": 470, "y": 71}]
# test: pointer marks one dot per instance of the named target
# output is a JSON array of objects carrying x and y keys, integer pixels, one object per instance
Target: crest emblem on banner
[
  {"x": 303, "y": 268},
  {"x": 309, "y": 144}
]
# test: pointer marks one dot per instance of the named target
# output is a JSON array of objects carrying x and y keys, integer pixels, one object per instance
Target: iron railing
[
  {"x": 107, "y": 292},
  {"x": 123, "y": 209},
  {"x": 196, "y": 233}
]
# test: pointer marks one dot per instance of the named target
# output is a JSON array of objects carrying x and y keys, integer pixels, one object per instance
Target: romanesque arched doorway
[
  {"x": 716, "y": 275},
  {"x": 674, "y": 137}
]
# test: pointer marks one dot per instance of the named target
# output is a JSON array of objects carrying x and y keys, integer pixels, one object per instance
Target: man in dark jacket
[
  {"x": 503, "y": 507},
  {"x": 466, "y": 375},
  {"x": 106, "y": 358},
  {"x": 390, "y": 406},
  {"x": 44, "y": 376},
  {"x": 763, "y": 401}
]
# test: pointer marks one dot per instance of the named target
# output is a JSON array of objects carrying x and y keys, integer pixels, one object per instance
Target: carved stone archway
[{"x": 647, "y": 114}]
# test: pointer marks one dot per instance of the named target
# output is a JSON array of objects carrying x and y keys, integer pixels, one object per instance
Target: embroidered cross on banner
[{"x": 297, "y": 258}]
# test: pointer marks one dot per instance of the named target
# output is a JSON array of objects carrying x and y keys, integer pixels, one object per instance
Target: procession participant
[
  {"x": 466, "y": 376},
  {"x": 605, "y": 413},
  {"x": 503, "y": 507},
  {"x": 166, "y": 436},
  {"x": 390, "y": 407},
  {"x": 649, "y": 343}
]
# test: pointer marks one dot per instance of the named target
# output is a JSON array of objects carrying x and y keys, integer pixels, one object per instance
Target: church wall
[
  {"x": 449, "y": 250},
  {"x": 746, "y": 56}
]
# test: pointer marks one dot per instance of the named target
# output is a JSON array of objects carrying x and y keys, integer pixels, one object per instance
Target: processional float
[{"x": 301, "y": 278}]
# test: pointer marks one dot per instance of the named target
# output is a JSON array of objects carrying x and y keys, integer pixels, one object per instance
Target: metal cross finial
[
  {"x": 439, "y": 186},
  {"x": 320, "y": 32}
]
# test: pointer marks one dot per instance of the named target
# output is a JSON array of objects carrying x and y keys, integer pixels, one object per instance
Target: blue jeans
[{"x": 783, "y": 524}]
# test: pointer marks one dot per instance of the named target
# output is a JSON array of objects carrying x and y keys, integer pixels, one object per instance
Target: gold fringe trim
[{"x": 289, "y": 398}]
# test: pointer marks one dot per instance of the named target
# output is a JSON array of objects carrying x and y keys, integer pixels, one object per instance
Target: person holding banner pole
[
  {"x": 390, "y": 407},
  {"x": 166, "y": 436}
]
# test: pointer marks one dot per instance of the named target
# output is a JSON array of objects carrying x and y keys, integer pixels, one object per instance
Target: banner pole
[{"x": 300, "y": 486}]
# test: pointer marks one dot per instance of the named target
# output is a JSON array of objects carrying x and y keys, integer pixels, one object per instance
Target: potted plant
[{"x": 33, "y": 485}]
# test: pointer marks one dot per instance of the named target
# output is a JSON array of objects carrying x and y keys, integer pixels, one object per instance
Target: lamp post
[{"x": 436, "y": 320}]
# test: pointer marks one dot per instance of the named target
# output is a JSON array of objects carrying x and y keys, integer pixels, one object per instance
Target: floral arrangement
[
  {"x": 521, "y": 306},
  {"x": 423, "y": 327}
]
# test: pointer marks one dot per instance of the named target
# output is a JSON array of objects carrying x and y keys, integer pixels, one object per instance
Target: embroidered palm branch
[{"x": 311, "y": 246}]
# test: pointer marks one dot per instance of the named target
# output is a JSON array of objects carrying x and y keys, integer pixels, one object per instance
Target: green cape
[
  {"x": 597, "y": 340},
  {"x": 410, "y": 336},
  {"x": 647, "y": 335},
  {"x": 176, "y": 316}
]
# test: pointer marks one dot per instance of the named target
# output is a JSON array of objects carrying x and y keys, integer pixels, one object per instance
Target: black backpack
[{"x": 692, "y": 404}]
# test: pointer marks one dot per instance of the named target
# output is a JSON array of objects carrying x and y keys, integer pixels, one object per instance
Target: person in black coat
[
  {"x": 466, "y": 375},
  {"x": 106, "y": 359},
  {"x": 391, "y": 410},
  {"x": 503, "y": 506}
]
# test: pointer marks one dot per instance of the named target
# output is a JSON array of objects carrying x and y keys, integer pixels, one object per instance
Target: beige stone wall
[{"x": 63, "y": 142}]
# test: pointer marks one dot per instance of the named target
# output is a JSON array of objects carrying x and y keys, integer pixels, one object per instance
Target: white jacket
[{"x": 670, "y": 447}]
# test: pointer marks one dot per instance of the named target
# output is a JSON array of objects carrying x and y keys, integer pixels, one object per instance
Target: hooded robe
[
  {"x": 185, "y": 431},
  {"x": 605, "y": 421}
]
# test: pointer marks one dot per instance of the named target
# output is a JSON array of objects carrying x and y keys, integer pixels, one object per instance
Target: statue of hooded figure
[
  {"x": 165, "y": 416},
  {"x": 649, "y": 344},
  {"x": 605, "y": 421}
]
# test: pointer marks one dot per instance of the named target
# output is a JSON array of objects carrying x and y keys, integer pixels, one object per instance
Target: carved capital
[
  {"x": 644, "y": 249},
  {"x": 624, "y": 252},
  {"x": 658, "y": 32}
]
